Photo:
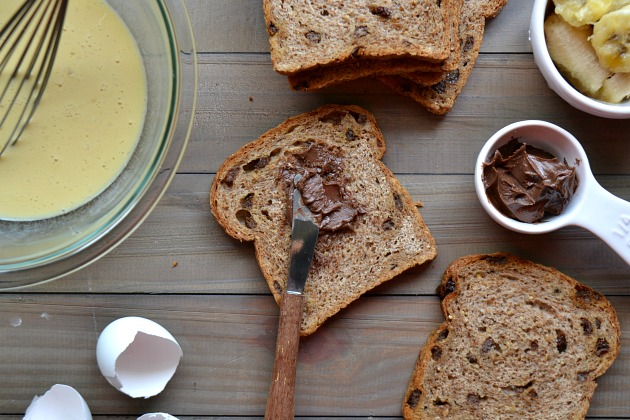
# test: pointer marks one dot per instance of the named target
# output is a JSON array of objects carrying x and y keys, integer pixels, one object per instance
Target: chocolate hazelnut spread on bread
[
  {"x": 323, "y": 186},
  {"x": 371, "y": 228},
  {"x": 524, "y": 182}
]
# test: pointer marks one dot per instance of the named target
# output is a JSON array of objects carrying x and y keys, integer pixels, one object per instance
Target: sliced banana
[
  {"x": 582, "y": 12},
  {"x": 615, "y": 89},
  {"x": 618, "y": 4},
  {"x": 611, "y": 40},
  {"x": 573, "y": 55}
]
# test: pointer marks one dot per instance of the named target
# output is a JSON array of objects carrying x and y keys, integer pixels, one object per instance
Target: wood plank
[
  {"x": 182, "y": 230},
  {"x": 105, "y": 417},
  {"x": 358, "y": 363},
  {"x": 238, "y": 26},
  {"x": 240, "y": 97},
  {"x": 180, "y": 269}
]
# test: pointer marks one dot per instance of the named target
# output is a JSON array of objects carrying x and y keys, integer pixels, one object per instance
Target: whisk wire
[
  {"x": 33, "y": 32},
  {"x": 18, "y": 66}
]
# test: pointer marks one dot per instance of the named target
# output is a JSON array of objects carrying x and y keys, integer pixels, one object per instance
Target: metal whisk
[{"x": 28, "y": 46}]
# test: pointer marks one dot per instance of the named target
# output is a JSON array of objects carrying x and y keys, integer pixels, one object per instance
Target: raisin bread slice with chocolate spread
[
  {"x": 304, "y": 34},
  {"x": 520, "y": 341},
  {"x": 370, "y": 228}
]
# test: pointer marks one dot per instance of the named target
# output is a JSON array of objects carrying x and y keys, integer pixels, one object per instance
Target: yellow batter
[{"x": 88, "y": 122}]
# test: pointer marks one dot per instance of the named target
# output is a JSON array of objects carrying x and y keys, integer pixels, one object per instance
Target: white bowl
[
  {"x": 555, "y": 80},
  {"x": 591, "y": 207}
]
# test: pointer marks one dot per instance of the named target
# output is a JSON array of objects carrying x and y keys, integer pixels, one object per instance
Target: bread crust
[
  {"x": 249, "y": 201},
  {"x": 440, "y": 97},
  {"x": 419, "y": 70},
  {"x": 321, "y": 77},
  {"x": 344, "y": 31},
  {"x": 531, "y": 352},
  {"x": 434, "y": 85}
]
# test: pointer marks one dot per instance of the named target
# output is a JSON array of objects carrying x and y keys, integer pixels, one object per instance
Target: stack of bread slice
[{"x": 424, "y": 49}]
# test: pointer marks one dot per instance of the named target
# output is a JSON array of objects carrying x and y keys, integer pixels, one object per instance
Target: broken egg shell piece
[
  {"x": 61, "y": 402},
  {"x": 157, "y": 416},
  {"x": 137, "y": 356}
]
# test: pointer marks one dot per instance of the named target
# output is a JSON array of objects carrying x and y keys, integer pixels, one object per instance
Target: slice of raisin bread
[
  {"x": 304, "y": 34},
  {"x": 425, "y": 78},
  {"x": 520, "y": 341},
  {"x": 420, "y": 70},
  {"x": 440, "y": 97},
  {"x": 370, "y": 229},
  {"x": 321, "y": 77}
]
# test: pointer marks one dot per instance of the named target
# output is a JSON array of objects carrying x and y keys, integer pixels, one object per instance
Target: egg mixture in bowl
[{"x": 105, "y": 141}]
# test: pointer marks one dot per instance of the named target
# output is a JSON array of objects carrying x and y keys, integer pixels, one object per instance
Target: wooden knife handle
[{"x": 281, "y": 395}]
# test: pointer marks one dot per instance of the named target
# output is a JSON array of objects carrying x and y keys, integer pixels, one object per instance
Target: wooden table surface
[{"x": 181, "y": 270}]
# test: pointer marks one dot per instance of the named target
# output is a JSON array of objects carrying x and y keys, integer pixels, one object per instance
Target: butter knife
[{"x": 304, "y": 232}]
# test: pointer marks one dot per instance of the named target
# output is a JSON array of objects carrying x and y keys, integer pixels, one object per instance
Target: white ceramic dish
[
  {"x": 591, "y": 207},
  {"x": 555, "y": 80},
  {"x": 43, "y": 250}
]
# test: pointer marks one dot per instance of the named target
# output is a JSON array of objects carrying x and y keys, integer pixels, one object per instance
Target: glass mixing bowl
[{"x": 37, "y": 251}]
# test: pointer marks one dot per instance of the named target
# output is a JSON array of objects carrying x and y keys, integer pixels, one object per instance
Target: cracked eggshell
[
  {"x": 61, "y": 402},
  {"x": 157, "y": 416},
  {"x": 137, "y": 356}
]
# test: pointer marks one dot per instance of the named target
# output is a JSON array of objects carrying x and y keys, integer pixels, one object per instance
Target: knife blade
[{"x": 304, "y": 233}]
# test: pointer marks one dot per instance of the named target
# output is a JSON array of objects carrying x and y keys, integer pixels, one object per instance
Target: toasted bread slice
[
  {"x": 251, "y": 198},
  {"x": 440, "y": 97},
  {"x": 520, "y": 341},
  {"x": 321, "y": 77},
  {"x": 308, "y": 34},
  {"x": 419, "y": 70},
  {"x": 424, "y": 78}
]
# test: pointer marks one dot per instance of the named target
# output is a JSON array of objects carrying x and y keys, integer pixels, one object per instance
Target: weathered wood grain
[
  {"x": 180, "y": 269},
  {"x": 359, "y": 364},
  {"x": 237, "y": 26},
  {"x": 235, "y": 108},
  {"x": 182, "y": 232}
]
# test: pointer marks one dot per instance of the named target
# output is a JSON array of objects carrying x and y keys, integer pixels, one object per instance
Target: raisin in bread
[
  {"x": 520, "y": 341},
  {"x": 440, "y": 97},
  {"x": 304, "y": 34},
  {"x": 420, "y": 70},
  {"x": 340, "y": 147}
]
